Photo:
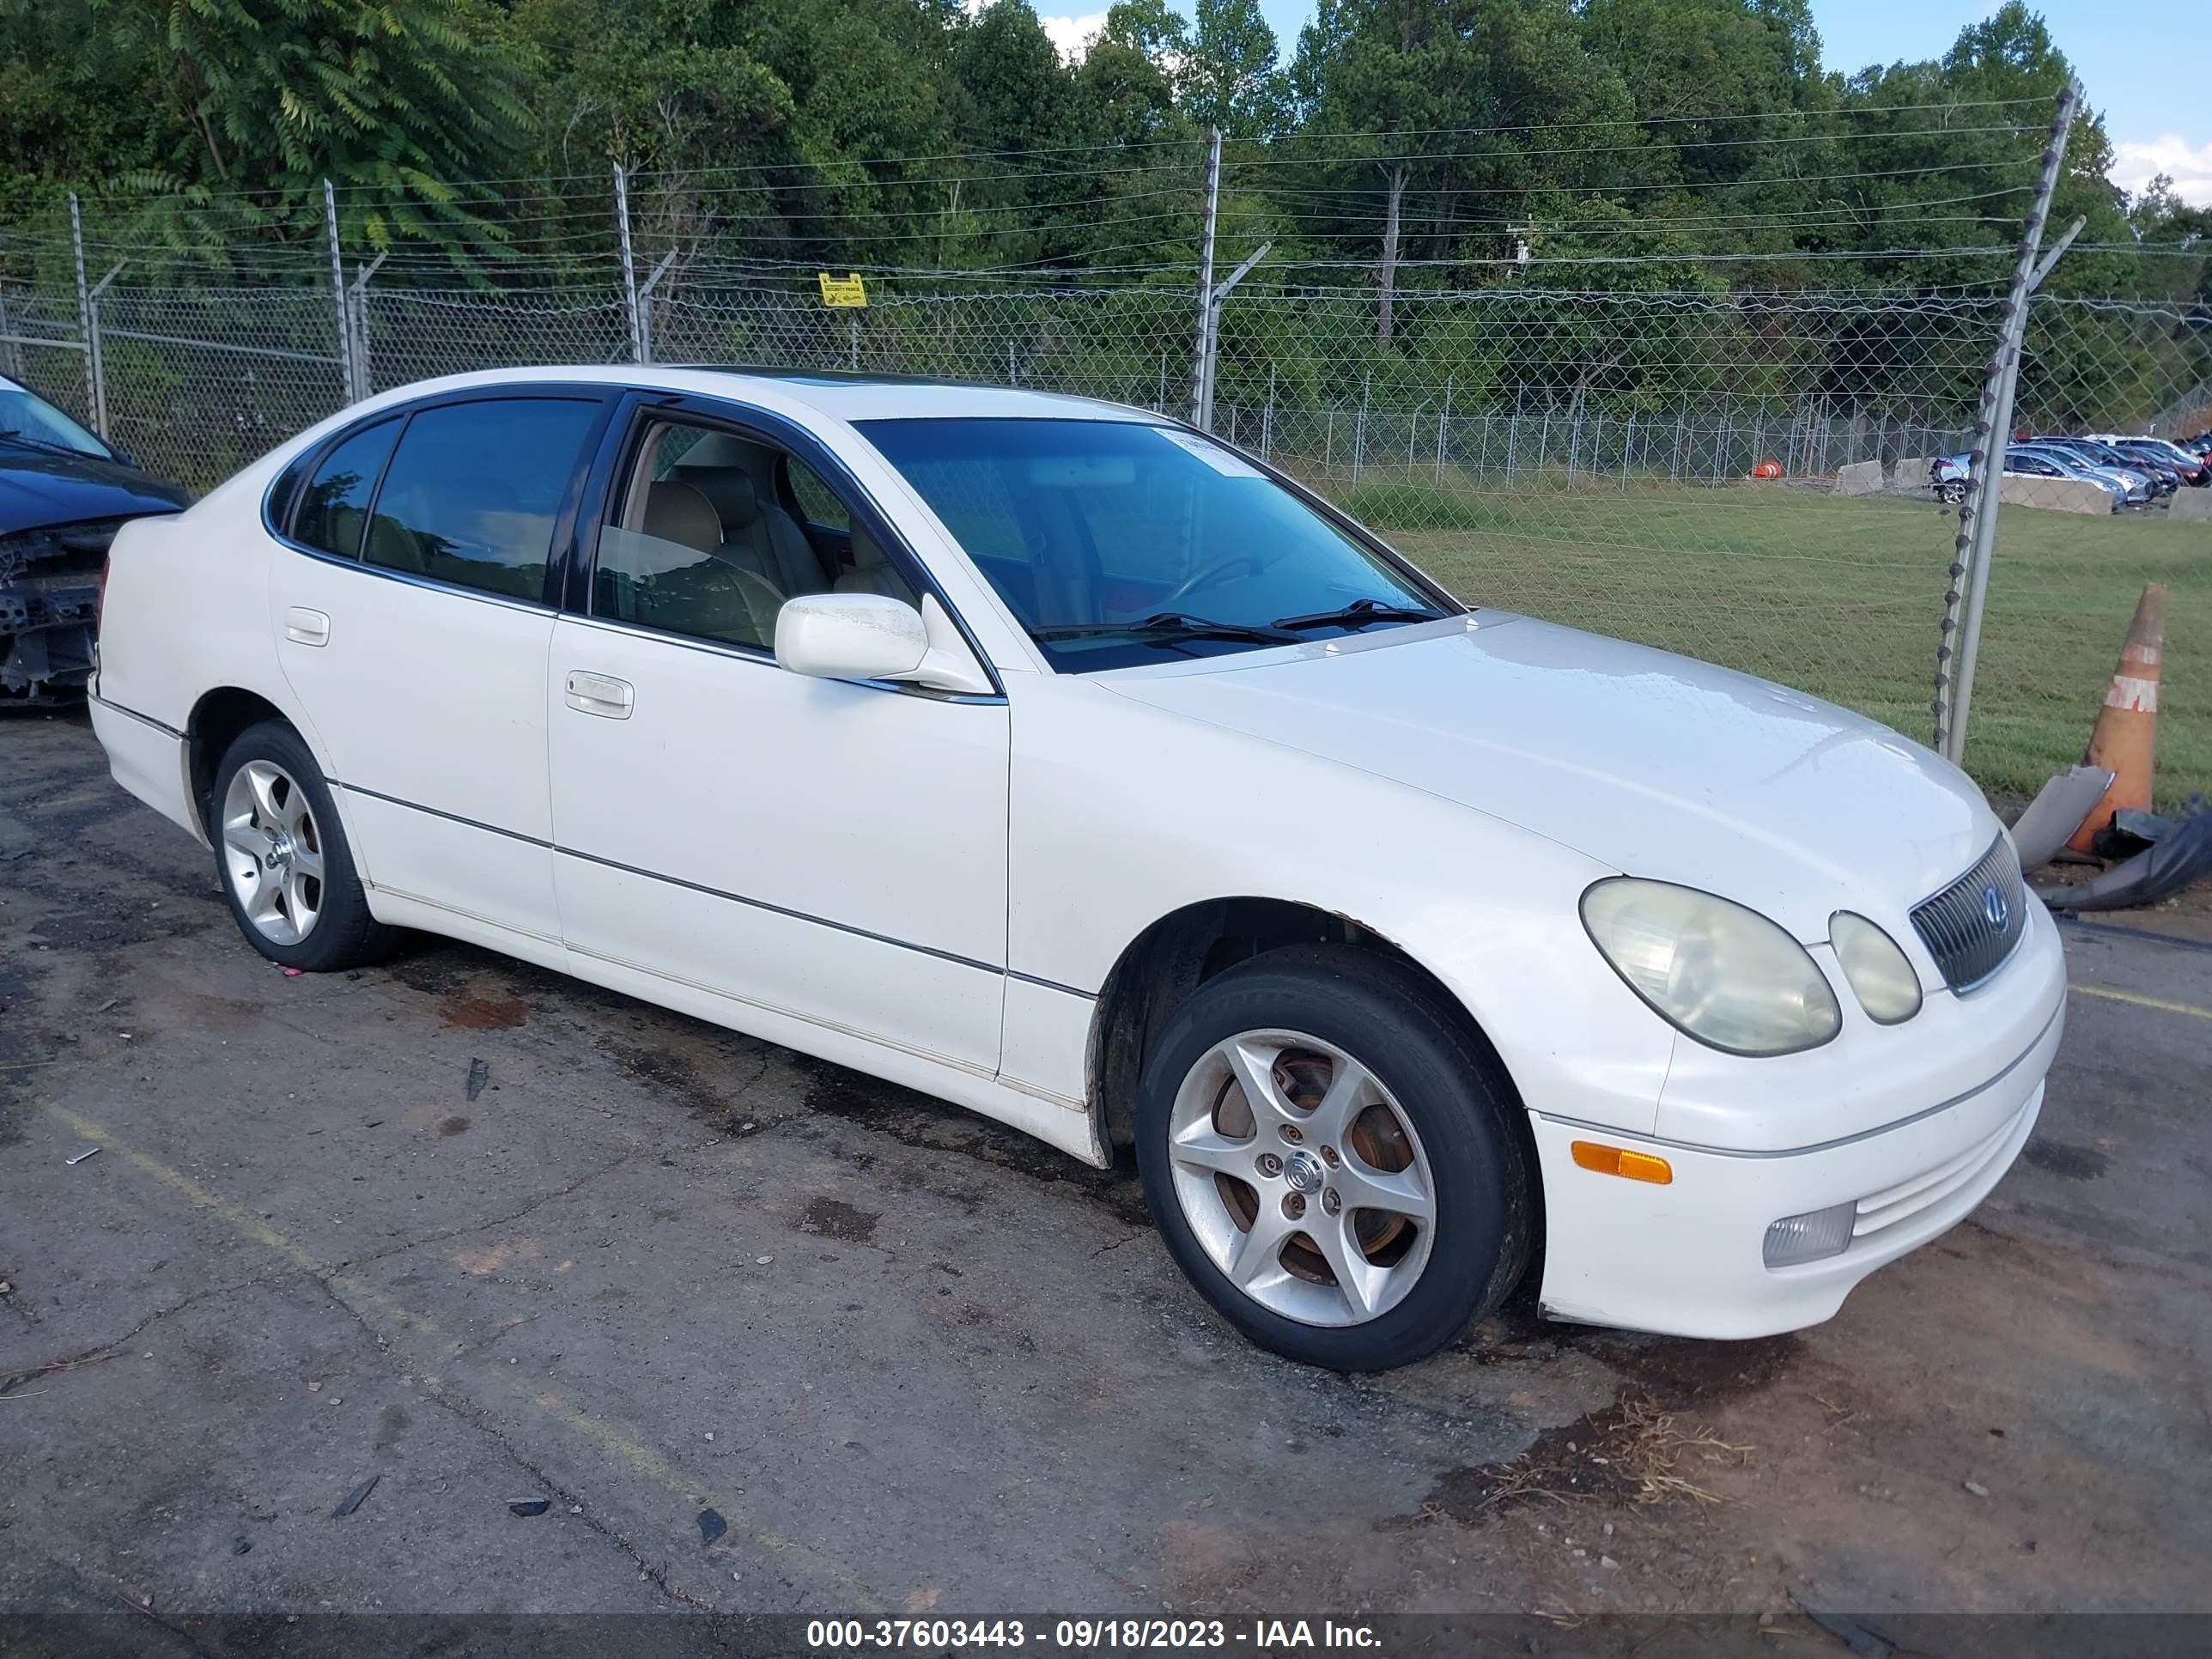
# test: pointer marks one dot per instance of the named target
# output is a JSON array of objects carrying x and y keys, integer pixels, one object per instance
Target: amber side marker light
[{"x": 1630, "y": 1166}]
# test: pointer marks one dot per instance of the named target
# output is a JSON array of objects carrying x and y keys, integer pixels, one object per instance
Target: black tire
[
  {"x": 344, "y": 933},
  {"x": 1445, "y": 1081}
]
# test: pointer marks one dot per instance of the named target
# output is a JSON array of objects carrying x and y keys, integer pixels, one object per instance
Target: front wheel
[
  {"x": 1329, "y": 1156},
  {"x": 282, "y": 854}
]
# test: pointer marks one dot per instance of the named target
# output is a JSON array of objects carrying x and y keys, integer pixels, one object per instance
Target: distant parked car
[
  {"x": 64, "y": 494},
  {"x": 2135, "y": 488},
  {"x": 2193, "y": 469},
  {"x": 1947, "y": 474},
  {"x": 2164, "y": 478}
]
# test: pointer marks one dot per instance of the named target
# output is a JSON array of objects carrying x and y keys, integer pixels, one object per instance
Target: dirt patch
[
  {"x": 835, "y": 1219},
  {"x": 109, "y": 926},
  {"x": 2065, "y": 1159},
  {"x": 919, "y": 1120},
  {"x": 486, "y": 1013},
  {"x": 1629, "y": 1452},
  {"x": 668, "y": 1073},
  {"x": 453, "y": 1126},
  {"x": 1681, "y": 1372}
]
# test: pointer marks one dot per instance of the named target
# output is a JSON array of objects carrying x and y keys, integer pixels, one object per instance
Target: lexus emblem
[{"x": 1994, "y": 906}]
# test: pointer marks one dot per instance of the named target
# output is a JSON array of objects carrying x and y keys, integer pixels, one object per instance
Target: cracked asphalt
[{"x": 767, "y": 1336}]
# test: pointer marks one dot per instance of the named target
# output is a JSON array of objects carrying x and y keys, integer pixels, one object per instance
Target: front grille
[{"x": 1971, "y": 926}]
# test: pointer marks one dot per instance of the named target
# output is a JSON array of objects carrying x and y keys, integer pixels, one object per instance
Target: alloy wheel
[
  {"x": 1302, "y": 1177},
  {"x": 272, "y": 852}
]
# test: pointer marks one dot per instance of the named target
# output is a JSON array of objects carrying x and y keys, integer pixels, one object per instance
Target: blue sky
[{"x": 2147, "y": 64}]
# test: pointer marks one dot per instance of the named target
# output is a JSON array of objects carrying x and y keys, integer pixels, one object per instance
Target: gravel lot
[{"x": 914, "y": 1362}]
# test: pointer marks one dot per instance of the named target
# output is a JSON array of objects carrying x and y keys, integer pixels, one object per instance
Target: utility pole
[
  {"x": 1201, "y": 360},
  {"x": 1958, "y": 645},
  {"x": 638, "y": 350},
  {"x": 83, "y": 305},
  {"x": 348, "y": 378}
]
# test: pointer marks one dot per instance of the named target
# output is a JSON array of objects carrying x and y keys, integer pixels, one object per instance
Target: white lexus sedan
[{"x": 1062, "y": 761}]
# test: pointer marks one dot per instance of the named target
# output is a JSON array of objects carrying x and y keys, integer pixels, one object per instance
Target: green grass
[{"x": 1840, "y": 597}]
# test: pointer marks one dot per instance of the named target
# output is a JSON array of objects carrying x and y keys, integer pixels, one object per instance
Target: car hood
[
  {"x": 38, "y": 488},
  {"x": 1653, "y": 764}
]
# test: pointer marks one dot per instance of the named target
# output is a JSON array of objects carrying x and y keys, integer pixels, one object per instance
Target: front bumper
[
  {"x": 1685, "y": 1259},
  {"x": 45, "y": 637}
]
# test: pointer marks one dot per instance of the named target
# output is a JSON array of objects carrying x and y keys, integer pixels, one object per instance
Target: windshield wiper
[
  {"x": 1171, "y": 624},
  {"x": 16, "y": 436},
  {"x": 1359, "y": 614}
]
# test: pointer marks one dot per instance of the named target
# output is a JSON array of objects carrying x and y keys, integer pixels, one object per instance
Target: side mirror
[
  {"x": 850, "y": 637},
  {"x": 871, "y": 636}
]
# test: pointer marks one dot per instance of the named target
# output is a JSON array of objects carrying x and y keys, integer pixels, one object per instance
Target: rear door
[{"x": 413, "y": 625}]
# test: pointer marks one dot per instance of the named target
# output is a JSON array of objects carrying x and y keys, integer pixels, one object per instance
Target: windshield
[
  {"x": 25, "y": 417},
  {"x": 1117, "y": 543}
]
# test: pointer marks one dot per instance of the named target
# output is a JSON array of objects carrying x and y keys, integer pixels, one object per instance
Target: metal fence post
[
  {"x": 1442, "y": 416},
  {"x": 11, "y": 354},
  {"x": 639, "y": 351},
  {"x": 1359, "y": 426},
  {"x": 1965, "y": 600},
  {"x": 83, "y": 306},
  {"x": 1201, "y": 356},
  {"x": 349, "y": 378},
  {"x": 93, "y": 353},
  {"x": 644, "y": 341},
  {"x": 364, "y": 382}
]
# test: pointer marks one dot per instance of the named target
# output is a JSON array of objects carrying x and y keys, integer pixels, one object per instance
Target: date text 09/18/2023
[{"x": 1090, "y": 1635}]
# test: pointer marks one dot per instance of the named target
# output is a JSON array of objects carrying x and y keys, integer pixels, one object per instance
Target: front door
[{"x": 830, "y": 854}]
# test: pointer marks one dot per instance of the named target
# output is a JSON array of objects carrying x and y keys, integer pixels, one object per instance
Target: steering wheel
[{"x": 1218, "y": 571}]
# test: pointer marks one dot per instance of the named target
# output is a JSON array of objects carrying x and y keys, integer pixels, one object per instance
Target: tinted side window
[
  {"x": 471, "y": 497},
  {"x": 334, "y": 507},
  {"x": 815, "y": 499},
  {"x": 287, "y": 486}
]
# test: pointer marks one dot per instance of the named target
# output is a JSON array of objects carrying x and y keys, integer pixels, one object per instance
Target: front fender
[{"x": 1199, "y": 813}]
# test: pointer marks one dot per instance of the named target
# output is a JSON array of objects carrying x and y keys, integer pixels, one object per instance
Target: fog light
[{"x": 1810, "y": 1238}]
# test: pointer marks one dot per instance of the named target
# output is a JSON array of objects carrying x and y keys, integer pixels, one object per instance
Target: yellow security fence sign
[{"x": 843, "y": 292}]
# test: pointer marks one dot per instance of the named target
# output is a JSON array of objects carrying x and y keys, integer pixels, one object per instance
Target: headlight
[
  {"x": 1881, "y": 977},
  {"x": 1726, "y": 976}
]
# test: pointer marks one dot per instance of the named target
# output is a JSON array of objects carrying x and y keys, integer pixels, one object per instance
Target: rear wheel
[
  {"x": 287, "y": 869},
  {"x": 1327, "y": 1153}
]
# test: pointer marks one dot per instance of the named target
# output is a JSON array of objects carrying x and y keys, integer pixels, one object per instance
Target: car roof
[{"x": 838, "y": 394}]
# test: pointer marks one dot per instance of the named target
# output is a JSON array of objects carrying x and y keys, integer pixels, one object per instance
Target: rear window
[{"x": 472, "y": 494}]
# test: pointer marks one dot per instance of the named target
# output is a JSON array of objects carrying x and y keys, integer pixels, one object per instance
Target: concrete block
[
  {"x": 1859, "y": 478},
  {"x": 2056, "y": 495},
  {"x": 2190, "y": 506},
  {"x": 1909, "y": 473}
]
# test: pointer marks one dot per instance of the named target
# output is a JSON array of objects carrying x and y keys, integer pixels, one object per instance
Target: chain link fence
[{"x": 1748, "y": 477}]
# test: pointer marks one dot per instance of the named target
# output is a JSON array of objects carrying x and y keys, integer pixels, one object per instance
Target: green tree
[
  {"x": 1228, "y": 77},
  {"x": 393, "y": 102}
]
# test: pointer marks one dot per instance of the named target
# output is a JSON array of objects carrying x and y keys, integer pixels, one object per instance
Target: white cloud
[
  {"x": 1070, "y": 37},
  {"x": 2134, "y": 165},
  {"x": 1073, "y": 35}
]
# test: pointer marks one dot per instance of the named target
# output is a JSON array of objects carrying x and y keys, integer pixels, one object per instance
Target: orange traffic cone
[{"x": 2125, "y": 740}]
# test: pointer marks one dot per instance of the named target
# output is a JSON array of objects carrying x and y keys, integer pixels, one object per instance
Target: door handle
[
  {"x": 601, "y": 694},
  {"x": 305, "y": 627}
]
